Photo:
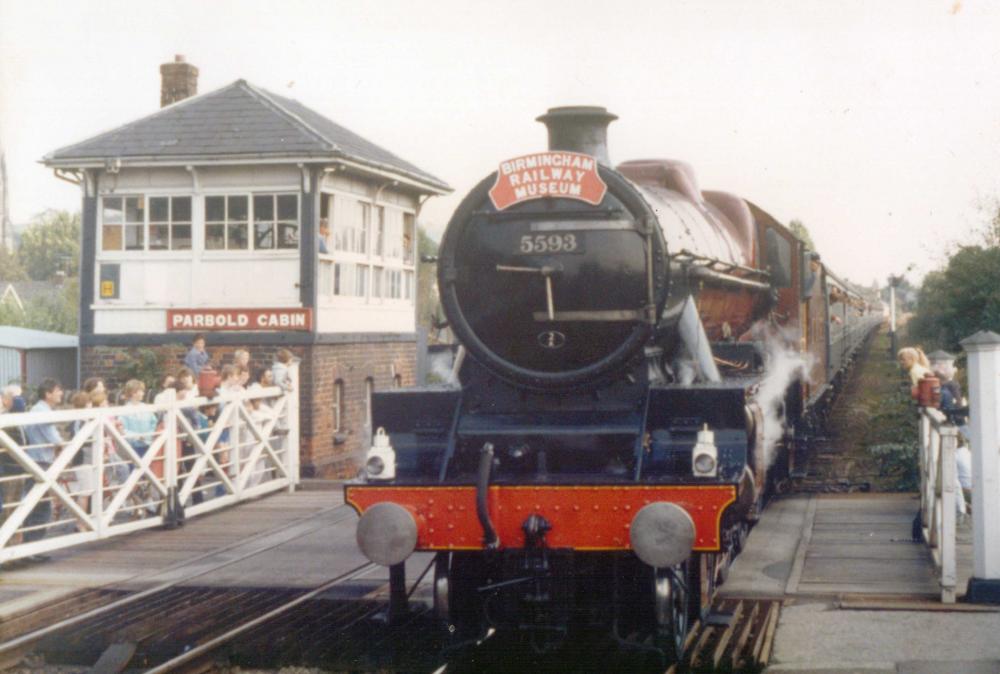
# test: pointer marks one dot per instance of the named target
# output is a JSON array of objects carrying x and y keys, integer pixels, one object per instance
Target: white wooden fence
[
  {"x": 205, "y": 454},
  {"x": 938, "y": 493}
]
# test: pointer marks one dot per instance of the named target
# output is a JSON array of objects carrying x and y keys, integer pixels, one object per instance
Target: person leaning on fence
[
  {"x": 43, "y": 442},
  {"x": 197, "y": 357},
  {"x": 166, "y": 386},
  {"x": 92, "y": 384},
  {"x": 280, "y": 369},
  {"x": 914, "y": 363},
  {"x": 83, "y": 462},
  {"x": 8, "y": 466},
  {"x": 241, "y": 358},
  {"x": 943, "y": 366},
  {"x": 186, "y": 391},
  {"x": 115, "y": 461},
  {"x": 139, "y": 425}
]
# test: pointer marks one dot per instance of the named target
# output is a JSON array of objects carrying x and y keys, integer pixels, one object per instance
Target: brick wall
[
  {"x": 339, "y": 454},
  {"x": 325, "y": 452}
]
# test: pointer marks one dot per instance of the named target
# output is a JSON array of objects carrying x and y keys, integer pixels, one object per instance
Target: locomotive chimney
[
  {"x": 178, "y": 80},
  {"x": 579, "y": 128}
]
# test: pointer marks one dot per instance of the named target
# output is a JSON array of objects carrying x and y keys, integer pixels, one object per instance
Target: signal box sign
[
  {"x": 557, "y": 174},
  {"x": 243, "y": 320}
]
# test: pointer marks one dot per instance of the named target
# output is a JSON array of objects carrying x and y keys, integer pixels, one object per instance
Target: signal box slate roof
[{"x": 239, "y": 121}]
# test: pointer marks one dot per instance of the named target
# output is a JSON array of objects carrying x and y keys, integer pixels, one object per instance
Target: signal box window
[
  {"x": 124, "y": 223},
  {"x": 350, "y": 225},
  {"x": 227, "y": 223},
  {"x": 170, "y": 223},
  {"x": 276, "y": 221}
]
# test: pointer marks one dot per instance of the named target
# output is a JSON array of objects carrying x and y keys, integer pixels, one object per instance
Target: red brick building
[{"x": 255, "y": 220}]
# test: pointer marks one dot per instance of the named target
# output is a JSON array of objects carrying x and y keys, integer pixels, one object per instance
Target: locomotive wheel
[
  {"x": 456, "y": 595},
  {"x": 671, "y": 610},
  {"x": 442, "y": 608}
]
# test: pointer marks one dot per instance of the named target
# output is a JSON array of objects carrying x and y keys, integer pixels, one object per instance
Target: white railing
[
  {"x": 103, "y": 480},
  {"x": 938, "y": 488}
]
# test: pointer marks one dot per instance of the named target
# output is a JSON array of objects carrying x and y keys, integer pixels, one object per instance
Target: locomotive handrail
[
  {"x": 708, "y": 274},
  {"x": 938, "y": 486},
  {"x": 686, "y": 256},
  {"x": 105, "y": 480}
]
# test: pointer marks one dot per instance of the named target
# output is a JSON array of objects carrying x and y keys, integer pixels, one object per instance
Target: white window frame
[
  {"x": 251, "y": 249},
  {"x": 379, "y": 266},
  {"x": 144, "y": 196}
]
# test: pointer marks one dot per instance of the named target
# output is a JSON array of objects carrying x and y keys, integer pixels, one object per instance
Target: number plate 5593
[{"x": 548, "y": 244}]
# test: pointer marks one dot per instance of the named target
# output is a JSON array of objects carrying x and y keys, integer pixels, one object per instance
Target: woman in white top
[{"x": 914, "y": 363}]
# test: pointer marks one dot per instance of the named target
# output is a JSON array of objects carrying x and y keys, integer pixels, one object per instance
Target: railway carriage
[{"x": 614, "y": 425}]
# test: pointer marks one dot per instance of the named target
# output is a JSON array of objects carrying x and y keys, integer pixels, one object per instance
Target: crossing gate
[{"x": 103, "y": 481}]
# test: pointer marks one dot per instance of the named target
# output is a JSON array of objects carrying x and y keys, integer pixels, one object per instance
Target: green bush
[{"x": 893, "y": 440}]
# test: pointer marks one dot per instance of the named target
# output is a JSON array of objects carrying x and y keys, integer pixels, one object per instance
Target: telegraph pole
[{"x": 894, "y": 281}]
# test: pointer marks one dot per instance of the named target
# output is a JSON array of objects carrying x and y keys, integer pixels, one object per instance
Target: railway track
[
  {"x": 184, "y": 623},
  {"x": 51, "y": 623},
  {"x": 213, "y": 629}
]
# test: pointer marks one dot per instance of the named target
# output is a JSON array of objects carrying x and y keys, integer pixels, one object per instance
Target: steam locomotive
[{"x": 621, "y": 407}]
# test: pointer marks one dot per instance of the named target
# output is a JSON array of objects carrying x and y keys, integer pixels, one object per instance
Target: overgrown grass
[{"x": 891, "y": 436}]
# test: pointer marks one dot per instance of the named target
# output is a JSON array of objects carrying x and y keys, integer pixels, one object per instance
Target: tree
[
  {"x": 51, "y": 244},
  {"x": 427, "y": 297},
  {"x": 799, "y": 229},
  {"x": 55, "y": 313},
  {"x": 961, "y": 299},
  {"x": 10, "y": 266}
]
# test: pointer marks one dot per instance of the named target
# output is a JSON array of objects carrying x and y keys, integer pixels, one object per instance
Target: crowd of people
[{"x": 198, "y": 382}]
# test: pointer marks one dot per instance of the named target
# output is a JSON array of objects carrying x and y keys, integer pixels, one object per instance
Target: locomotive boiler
[{"x": 605, "y": 449}]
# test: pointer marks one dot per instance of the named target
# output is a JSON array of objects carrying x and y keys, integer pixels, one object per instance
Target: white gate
[
  {"x": 938, "y": 487},
  {"x": 204, "y": 454}
]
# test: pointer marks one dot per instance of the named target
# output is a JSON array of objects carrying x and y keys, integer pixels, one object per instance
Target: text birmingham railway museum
[{"x": 566, "y": 174}]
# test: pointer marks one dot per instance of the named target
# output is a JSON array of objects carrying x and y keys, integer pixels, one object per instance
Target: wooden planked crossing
[
  {"x": 841, "y": 545},
  {"x": 862, "y": 545}
]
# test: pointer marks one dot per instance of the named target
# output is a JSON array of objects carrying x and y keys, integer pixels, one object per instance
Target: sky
[{"x": 875, "y": 123}]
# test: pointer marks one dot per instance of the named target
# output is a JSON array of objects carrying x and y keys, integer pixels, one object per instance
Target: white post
[
  {"x": 946, "y": 541},
  {"x": 926, "y": 491},
  {"x": 170, "y": 452},
  {"x": 97, "y": 500},
  {"x": 983, "y": 349},
  {"x": 293, "y": 447}
]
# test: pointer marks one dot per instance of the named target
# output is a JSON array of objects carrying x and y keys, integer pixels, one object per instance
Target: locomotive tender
[{"x": 606, "y": 448}]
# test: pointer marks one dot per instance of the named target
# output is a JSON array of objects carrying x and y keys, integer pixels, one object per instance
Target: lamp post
[{"x": 894, "y": 282}]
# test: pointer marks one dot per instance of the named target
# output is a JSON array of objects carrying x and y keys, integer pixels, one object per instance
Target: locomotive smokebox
[{"x": 579, "y": 128}]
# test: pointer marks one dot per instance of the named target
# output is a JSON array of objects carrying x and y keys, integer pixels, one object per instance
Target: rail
[
  {"x": 122, "y": 469},
  {"x": 938, "y": 486}
]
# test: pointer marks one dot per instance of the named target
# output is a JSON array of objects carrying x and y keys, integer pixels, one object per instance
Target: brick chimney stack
[{"x": 178, "y": 80}]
